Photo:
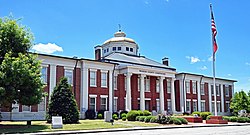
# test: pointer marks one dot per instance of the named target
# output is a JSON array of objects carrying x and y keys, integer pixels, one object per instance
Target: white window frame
[
  {"x": 92, "y": 79},
  {"x": 217, "y": 90},
  {"x": 188, "y": 107},
  {"x": 212, "y": 90},
  {"x": 66, "y": 72},
  {"x": 195, "y": 108},
  {"x": 115, "y": 103},
  {"x": 203, "y": 108},
  {"x": 104, "y": 79},
  {"x": 157, "y": 85},
  {"x": 227, "y": 90},
  {"x": 169, "y": 105},
  {"x": 202, "y": 87},
  {"x": 44, "y": 105},
  {"x": 213, "y": 106},
  {"x": 115, "y": 82},
  {"x": 194, "y": 87},
  {"x": 168, "y": 86},
  {"x": 227, "y": 109},
  {"x": 187, "y": 86},
  {"x": 44, "y": 76},
  {"x": 147, "y": 84},
  {"x": 139, "y": 83},
  {"x": 106, "y": 102},
  {"x": 157, "y": 105},
  {"x": 92, "y": 96},
  {"x": 218, "y": 106},
  {"x": 27, "y": 107}
]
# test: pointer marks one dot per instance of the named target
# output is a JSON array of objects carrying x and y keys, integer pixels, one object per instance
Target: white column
[
  {"x": 199, "y": 95},
  {"x": 142, "y": 92},
  {"x": 182, "y": 92},
  {"x": 161, "y": 94},
  {"x": 128, "y": 92},
  {"x": 210, "y": 97},
  {"x": 173, "y": 95},
  {"x": 110, "y": 91},
  {"x": 52, "y": 78},
  {"x": 85, "y": 88},
  {"x": 222, "y": 98}
]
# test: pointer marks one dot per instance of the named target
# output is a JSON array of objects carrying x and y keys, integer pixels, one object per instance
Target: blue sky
[{"x": 178, "y": 29}]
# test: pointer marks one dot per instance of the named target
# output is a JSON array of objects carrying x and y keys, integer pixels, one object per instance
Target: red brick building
[{"x": 120, "y": 79}]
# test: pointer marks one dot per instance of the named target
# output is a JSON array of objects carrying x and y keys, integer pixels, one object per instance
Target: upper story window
[
  {"x": 147, "y": 85},
  {"x": 69, "y": 75},
  {"x": 187, "y": 84},
  {"x": 119, "y": 48},
  {"x": 114, "y": 48},
  {"x": 227, "y": 91},
  {"x": 115, "y": 82},
  {"x": 107, "y": 49},
  {"x": 212, "y": 90},
  {"x": 157, "y": 85},
  {"x": 127, "y": 48},
  {"x": 168, "y": 86},
  {"x": 202, "y": 89},
  {"x": 44, "y": 75},
  {"x": 218, "y": 90},
  {"x": 131, "y": 50},
  {"x": 92, "y": 78},
  {"x": 104, "y": 79},
  {"x": 194, "y": 87}
]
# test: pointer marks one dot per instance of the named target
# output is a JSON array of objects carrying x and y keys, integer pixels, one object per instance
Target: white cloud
[
  {"x": 204, "y": 68},
  {"x": 47, "y": 48},
  {"x": 229, "y": 75},
  {"x": 210, "y": 58},
  {"x": 167, "y": 0},
  {"x": 193, "y": 59},
  {"x": 248, "y": 64}
]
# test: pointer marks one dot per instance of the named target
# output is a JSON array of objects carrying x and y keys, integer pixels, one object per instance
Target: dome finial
[{"x": 119, "y": 27}]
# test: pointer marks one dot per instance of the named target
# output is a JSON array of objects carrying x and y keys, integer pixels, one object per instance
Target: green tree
[
  {"x": 63, "y": 103},
  {"x": 20, "y": 80},
  {"x": 240, "y": 101},
  {"x": 14, "y": 37}
]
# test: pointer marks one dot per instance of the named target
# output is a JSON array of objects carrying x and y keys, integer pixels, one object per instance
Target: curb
[{"x": 138, "y": 128}]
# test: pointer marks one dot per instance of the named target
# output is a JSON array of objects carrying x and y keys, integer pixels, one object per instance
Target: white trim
[
  {"x": 104, "y": 71},
  {"x": 103, "y": 96},
  {"x": 106, "y": 75},
  {"x": 72, "y": 76},
  {"x": 195, "y": 100},
  {"x": 115, "y": 97},
  {"x": 95, "y": 79},
  {"x": 91, "y": 69},
  {"x": 44, "y": 65},
  {"x": 144, "y": 99},
  {"x": 68, "y": 68},
  {"x": 95, "y": 100},
  {"x": 92, "y": 96}
]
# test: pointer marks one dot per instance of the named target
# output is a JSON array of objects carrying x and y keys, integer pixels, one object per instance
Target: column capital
[
  {"x": 142, "y": 75},
  {"x": 128, "y": 74},
  {"x": 161, "y": 78}
]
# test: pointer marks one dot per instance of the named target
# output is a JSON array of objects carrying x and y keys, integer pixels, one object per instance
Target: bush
[
  {"x": 233, "y": 119},
  {"x": 183, "y": 120},
  {"x": 124, "y": 118},
  {"x": 205, "y": 114},
  {"x": 208, "y": 117},
  {"x": 124, "y": 115},
  {"x": 198, "y": 113},
  {"x": 123, "y": 112},
  {"x": 154, "y": 120},
  {"x": 99, "y": 116},
  {"x": 147, "y": 119},
  {"x": 90, "y": 114},
  {"x": 140, "y": 113},
  {"x": 131, "y": 115},
  {"x": 163, "y": 119},
  {"x": 146, "y": 113},
  {"x": 142, "y": 118},
  {"x": 114, "y": 116},
  {"x": 117, "y": 114},
  {"x": 100, "y": 112},
  {"x": 185, "y": 113},
  {"x": 176, "y": 121},
  {"x": 137, "y": 118},
  {"x": 242, "y": 119}
]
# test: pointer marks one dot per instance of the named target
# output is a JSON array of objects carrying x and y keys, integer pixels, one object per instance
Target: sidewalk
[{"x": 190, "y": 125}]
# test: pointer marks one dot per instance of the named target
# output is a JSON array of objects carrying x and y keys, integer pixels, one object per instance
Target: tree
[
  {"x": 240, "y": 101},
  {"x": 20, "y": 80},
  {"x": 63, "y": 103},
  {"x": 14, "y": 37}
]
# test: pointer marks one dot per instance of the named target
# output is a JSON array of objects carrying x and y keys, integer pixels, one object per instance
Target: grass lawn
[{"x": 42, "y": 126}]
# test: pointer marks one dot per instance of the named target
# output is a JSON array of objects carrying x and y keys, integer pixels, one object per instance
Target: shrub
[
  {"x": 131, "y": 115},
  {"x": 90, "y": 114},
  {"x": 154, "y": 120},
  {"x": 183, "y": 120},
  {"x": 117, "y": 114},
  {"x": 142, "y": 118},
  {"x": 242, "y": 119},
  {"x": 208, "y": 117},
  {"x": 124, "y": 115},
  {"x": 163, "y": 119},
  {"x": 146, "y": 113},
  {"x": 185, "y": 113},
  {"x": 147, "y": 119},
  {"x": 205, "y": 114},
  {"x": 114, "y": 116},
  {"x": 99, "y": 116},
  {"x": 101, "y": 112},
  {"x": 226, "y": 118},
  {"x": 137, "y": 118},
  {"x": 233, "y": 119},
  {"x": 124, "y": 118},
  {"x": 176, "y": 121},
  {"x": 140, "y": 113},
  {"x": 198, "y": 113},
  {"x": 123, "y": 112}
]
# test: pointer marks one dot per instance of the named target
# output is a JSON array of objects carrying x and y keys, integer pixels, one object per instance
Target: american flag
[{"x": 214, "y": 31}]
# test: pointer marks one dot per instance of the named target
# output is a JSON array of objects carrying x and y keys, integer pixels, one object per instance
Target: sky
[{"x": 177, "y": 29}]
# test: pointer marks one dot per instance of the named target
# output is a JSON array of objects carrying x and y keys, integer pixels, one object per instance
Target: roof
[
  {"x": 119, "y": 39},
  {"x": 136, "y": 60}
]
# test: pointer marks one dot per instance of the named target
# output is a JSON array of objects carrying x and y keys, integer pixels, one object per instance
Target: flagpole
[{"x": 214, "y": 85}]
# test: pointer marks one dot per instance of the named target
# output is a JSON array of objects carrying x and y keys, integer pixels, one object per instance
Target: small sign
[{"x": 57, "y": 122}]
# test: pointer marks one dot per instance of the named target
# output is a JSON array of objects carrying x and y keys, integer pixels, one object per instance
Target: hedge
[{"x": 131, "y": 115}]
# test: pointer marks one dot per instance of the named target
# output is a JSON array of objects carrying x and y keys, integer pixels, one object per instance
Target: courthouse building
[{"x": 120, "y": 79}]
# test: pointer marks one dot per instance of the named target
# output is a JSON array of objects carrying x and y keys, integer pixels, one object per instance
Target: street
[{"x": 228, "y": 130}]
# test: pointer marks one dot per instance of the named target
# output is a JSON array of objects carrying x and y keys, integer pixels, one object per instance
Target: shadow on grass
[{"x": 4, "y": 129}]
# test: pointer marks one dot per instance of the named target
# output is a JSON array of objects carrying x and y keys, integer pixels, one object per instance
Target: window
[
  {"x": 147, "y": 85},
  {"x": 227, "y": 106},
  {"x": 115, "y": 104},
  {"x": 104, "y": 79},
  {"x": 218, "y": 106},
  {"x": 139, "y": 83},
  {"x": 188, "y": 105},
  {"x": 115, "y": 82},
  {"x": 103, "y": 104},
  {"x": 194, "y": 87},
  {"x": 44, "y": 75},
  {"x": 157, "y": 105},
  {"x": 218, "y": 90},
  {"x": 202, "y": 89},
  {"x": 169, "y": 106},
  {"x": 131, "y": 49},
  {"x": 26, "y": 108},
  {"x": 107, "y": 49},
  {"x": 203, "y": 106},
  {"x": 187, "y": 86},
  {"x": 212, "y": 90},
  {"x": 92, "y": 103},
  {"x": 168, "y": 86},
  {"x": 69, "y": 75},
  {"x": 127, "y": 48},
  {"x": 119, "y": 48},
  {"x": 125, "y": 83},
  {"x": 42, "y": 106},
  {"x": 194, "y": 105},
  {"x": 227, "y": 91},
  {"x": 114, "y": 48},
  {"x": 212, "y": 106},
  {"x": 157, "y": 86},
  {"x": 92, "y": 78}
]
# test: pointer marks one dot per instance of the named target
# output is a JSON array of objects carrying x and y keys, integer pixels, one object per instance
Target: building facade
[{"x": 120, "y": 79}]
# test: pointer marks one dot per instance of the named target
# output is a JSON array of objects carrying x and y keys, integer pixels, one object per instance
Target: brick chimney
[
  {"x": 165, "y": 61},
  {"x": 98, "y": 52}
]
